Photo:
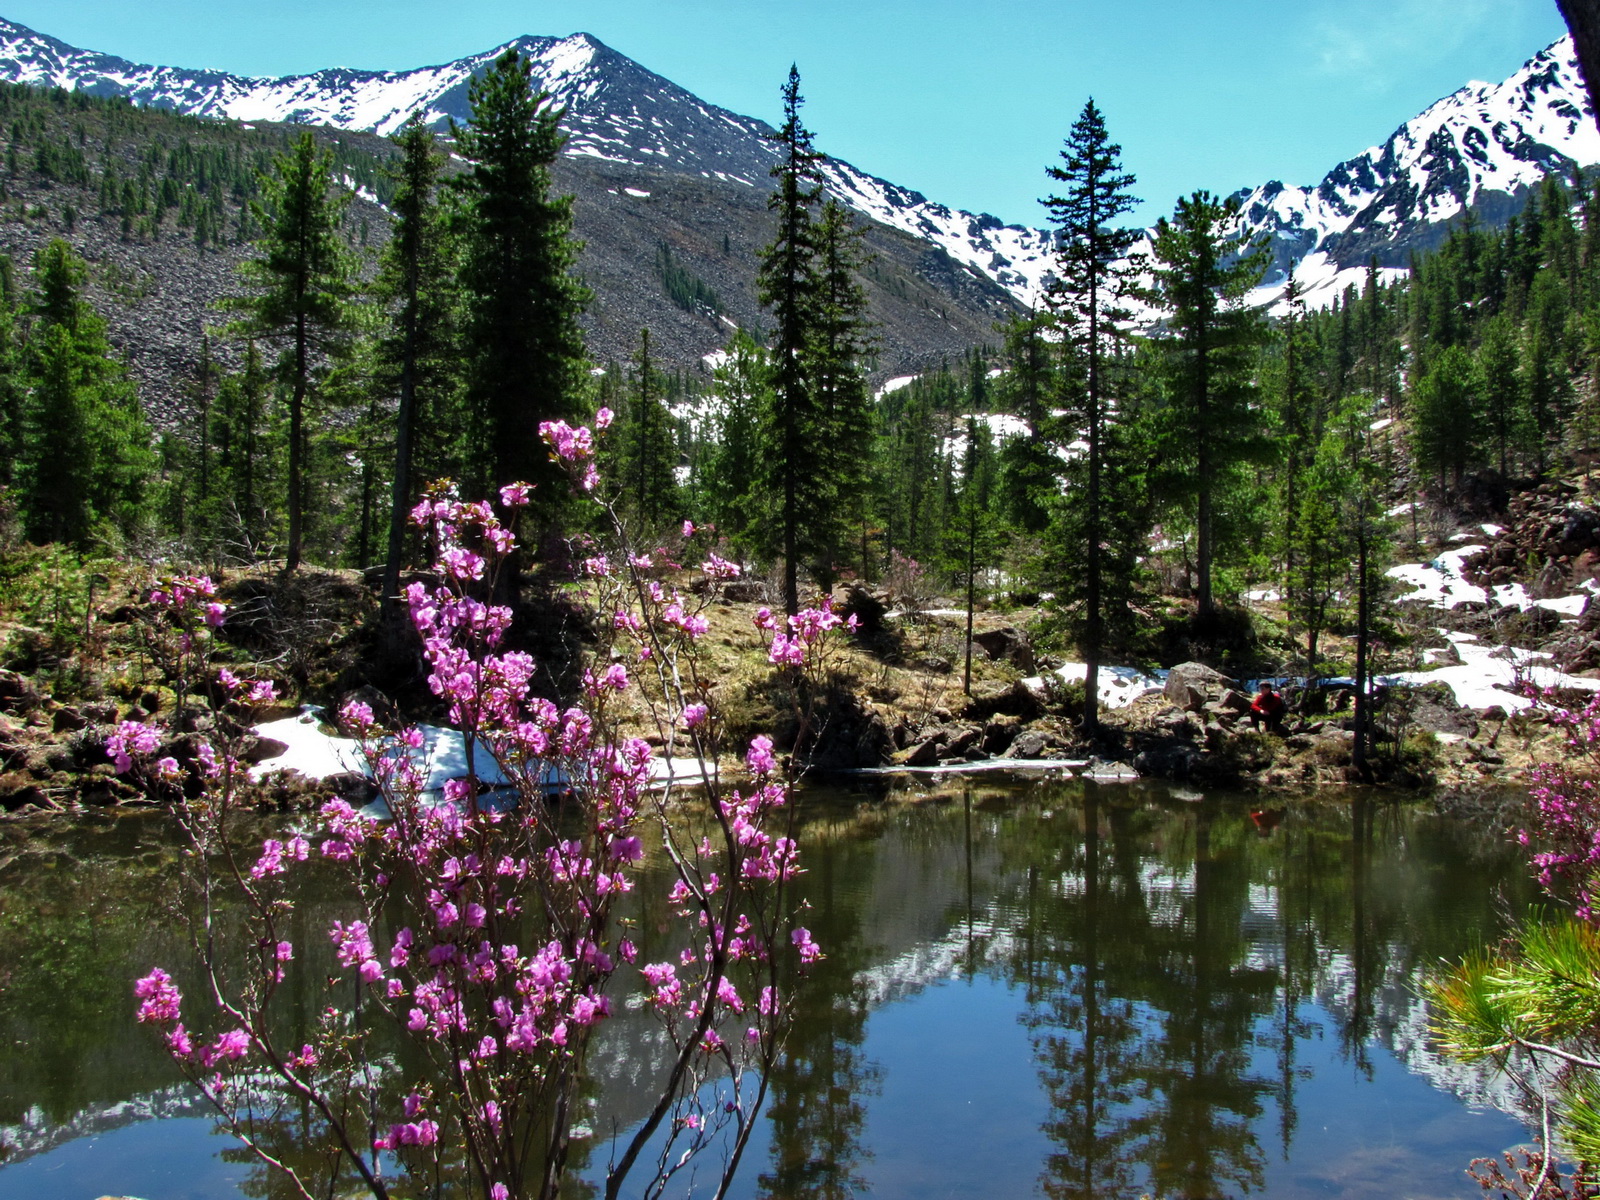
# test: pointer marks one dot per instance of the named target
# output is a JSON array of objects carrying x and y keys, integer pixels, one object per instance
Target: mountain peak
[{"x": 1483, "y": 145}]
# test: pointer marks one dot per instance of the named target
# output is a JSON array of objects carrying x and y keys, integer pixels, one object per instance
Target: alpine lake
[{"x": 1033, "y": 987}]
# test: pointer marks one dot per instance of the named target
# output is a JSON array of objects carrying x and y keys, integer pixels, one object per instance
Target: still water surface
[{"x": 1031, "y": 989}]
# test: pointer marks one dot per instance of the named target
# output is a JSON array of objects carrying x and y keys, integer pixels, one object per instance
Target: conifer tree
[
  {"x": 1028, "y": 468},
  {"x": 840, "y": 340},
  {"x": 86, "y": 457},
  {"x": 416, "y": 357},
  {"x": 788, "y": 286},
  {"x": 646, "y": 447},
  {"x": 1212, "y": 425},
  {"x": 303, "y": 284},
  {"x": 733, "y": 476},
  {"x": 1094, "y": 277},
  {"x": 522, "y": 344},
  {"x": 1445, "y": 417}
]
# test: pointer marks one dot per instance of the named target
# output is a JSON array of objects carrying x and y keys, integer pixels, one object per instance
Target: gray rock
[
  {"x": 1029, "y": 745},
  {"x": 1007, "y": 644},
  {"x": 1202, "y": 679}
]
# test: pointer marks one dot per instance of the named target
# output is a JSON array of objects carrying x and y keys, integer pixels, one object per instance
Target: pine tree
[
  {"x": 733, "y": 474},
  {"x": 645, "y": 447},
  {"x": 416, "y": 357},
  {"x": 1445, "y": 418},
  {"x": 86, "y": 448},
  {"x": 840, "y": 340},
  {"x": 522, "y": 344},
  {"x": 1028, "y": 468},
  {"x": 1503, "y": 402},
  {"x": 787, "y": 285},
  {"x": 1213, "y": 426},
  {"x": 1094, "y": 277},
  {"x": 303, "y": 281},
  {"x": 247, "y": 436}
]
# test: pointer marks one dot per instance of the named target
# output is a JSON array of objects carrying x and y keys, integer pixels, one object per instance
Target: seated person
[{"x": 1267, "y": 709}]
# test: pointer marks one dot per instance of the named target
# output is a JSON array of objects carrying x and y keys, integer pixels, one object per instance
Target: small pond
[{"x": 1059, "y": 989}]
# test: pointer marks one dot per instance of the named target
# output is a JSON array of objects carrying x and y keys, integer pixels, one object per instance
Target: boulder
[
  {"x": 999, "y": 733},
  {"x": 1016, "y": 700},
  {"x": 923, "y": 754},
  {"x": 1189, "y": 685},
  {"x": 1007, "y": 644},
  {"x": 864, "y": 606},
  {"x": 17, "y": 693},
  {"x": 744, "y": 591},
  {"x": 1029, "y": 745},
  {"x": 1110, "y": 772},
  {"x": 1233, "y": 701},
  {"x": 1437, "y": 711}
]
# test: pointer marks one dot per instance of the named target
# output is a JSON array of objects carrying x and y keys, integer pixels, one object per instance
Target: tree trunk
[{"x": 297, "y": 425}]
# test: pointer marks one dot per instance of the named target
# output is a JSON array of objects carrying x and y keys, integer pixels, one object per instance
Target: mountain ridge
[{"x": 1482, "y": 146}]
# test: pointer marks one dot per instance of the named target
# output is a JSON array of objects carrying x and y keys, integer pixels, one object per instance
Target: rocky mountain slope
[
  {"x": 1481, "y": 146},
  {"x": 653, "y": 166}
]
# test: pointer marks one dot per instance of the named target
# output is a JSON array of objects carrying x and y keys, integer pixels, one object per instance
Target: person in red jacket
[{"x": 1267, "y": 709}]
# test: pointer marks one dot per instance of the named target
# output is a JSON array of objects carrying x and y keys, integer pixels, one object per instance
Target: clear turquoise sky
[{"x": 966, "y": 102}]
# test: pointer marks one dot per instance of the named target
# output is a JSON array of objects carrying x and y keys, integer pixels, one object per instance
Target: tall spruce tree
[
  {"x": 302, "y": 281},
  {"x": 645, "y": 447},
  {"x": 1094, "y": 277},
  {"x": 522, "y": 343},
  {"x": 733, "y": 473},
  {"x": 788, "y": 286},
  {"x": 416, "y": 357},
  {"x": 86, "y": 457},
  {"x": 1213, "y": 426},
  {"x": 841, "y": 339},
  {"x": 1028, "y": 466}
]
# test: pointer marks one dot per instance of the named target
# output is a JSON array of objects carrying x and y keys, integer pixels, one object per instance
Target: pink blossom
[
  {"x": 759, "y": 757},
  {"x": 515, "y": 495},
  {"x": 161, "y": 997}
]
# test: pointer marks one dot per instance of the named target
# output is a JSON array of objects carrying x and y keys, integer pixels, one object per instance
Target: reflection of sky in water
[
  {"x": 178, "y": 1159},
  {"x": 954, "y": 1116},
  {"x": 965, "y": 1078}
]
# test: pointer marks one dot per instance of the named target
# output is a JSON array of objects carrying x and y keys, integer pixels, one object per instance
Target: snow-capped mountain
[
  {"x": 1481, "y": 146},
  {"x": 617, "y": 111}
]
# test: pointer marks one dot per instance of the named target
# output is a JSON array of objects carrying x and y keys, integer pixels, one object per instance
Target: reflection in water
[{"x": 1065, "y": 989}]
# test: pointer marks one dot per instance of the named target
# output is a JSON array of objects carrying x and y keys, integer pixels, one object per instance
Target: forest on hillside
[{"x": 1135, "y": 471}]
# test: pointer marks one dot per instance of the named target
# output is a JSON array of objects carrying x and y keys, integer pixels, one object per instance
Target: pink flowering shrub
[
  {"x": 1563, "y": 827},
  {"x": 490, "y": 936}
]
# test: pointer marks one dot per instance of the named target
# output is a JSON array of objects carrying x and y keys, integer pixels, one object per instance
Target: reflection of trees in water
[
  {"x": 1085, "y": 1037},
  {"x": 1168, "y": 955},
  {"x": 817, "y": 1102},
  {"x": 1155, "y": 971}
]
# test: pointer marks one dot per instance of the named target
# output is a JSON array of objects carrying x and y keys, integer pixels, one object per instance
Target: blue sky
[{"x": 963, "y": 101}]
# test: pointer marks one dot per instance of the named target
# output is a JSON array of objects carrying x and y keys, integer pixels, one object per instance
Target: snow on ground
[
  {"x": 311, "y": 753},
  {"x": 1440, "y": 583},
  {"x": 1263, "y": 596},
  {"x": 443, "y": 756},
  {"x": 1119, "y": 686},
  {"x": 893, "y": 385},
  {"x": 1514, "y": 595},
  {"x": 635, "y": 192},
  {"x": 1490, "y": 675}
]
